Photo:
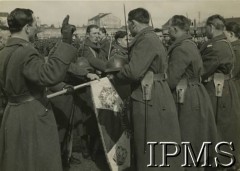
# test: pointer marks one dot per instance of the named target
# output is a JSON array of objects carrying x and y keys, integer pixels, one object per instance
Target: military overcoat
[
  {"x": 118, "y": 50},
  {"x": 236, "y": 69},
  {"x": 147, "y": 54},
  {"x": 218, "y": 57},
  {"x": 196, "y": 116},
  {"x": 92, "y": 52},
  {"x": 105, "y": 46},
  {"x": 28, "y": 135}
]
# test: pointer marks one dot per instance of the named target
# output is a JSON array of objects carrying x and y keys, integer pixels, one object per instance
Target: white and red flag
[{"x": 109, "y": 111}]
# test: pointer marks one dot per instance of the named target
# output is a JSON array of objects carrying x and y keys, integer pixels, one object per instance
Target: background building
[
  {"x": 233, "y": 19},
  {"x": 107, "y": 20},
  {"x": 3, "y": 20}
]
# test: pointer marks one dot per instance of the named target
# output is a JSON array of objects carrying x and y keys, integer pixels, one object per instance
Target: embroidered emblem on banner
[
  {"x": 108, "y": 98},
  {"x": 120, "y": 155}
]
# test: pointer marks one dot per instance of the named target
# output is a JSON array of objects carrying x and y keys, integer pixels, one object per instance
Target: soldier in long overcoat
[
  {"x": 147, "y": 54},
  {"x": 218, "y": 57},
  {"x": 93, "y": 53},
  {"x": 233, "y": 35},
  {"x": 28, "y": 135},
  {"x": 196, "y": 116},
  {"x": 79, "y": 72}
]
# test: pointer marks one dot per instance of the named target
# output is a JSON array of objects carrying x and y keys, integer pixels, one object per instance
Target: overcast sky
[{"x": 52, "y": 12}]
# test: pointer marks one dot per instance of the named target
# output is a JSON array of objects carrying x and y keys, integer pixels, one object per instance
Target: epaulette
[{"x": 210, "y": 45}]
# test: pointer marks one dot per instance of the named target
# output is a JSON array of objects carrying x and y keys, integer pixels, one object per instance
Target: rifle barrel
[
  {"x": 109, "y": 51},
  {"x": 125, "y": 19}
]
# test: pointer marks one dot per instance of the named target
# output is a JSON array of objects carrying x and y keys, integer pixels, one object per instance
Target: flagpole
[{"x": 64, "y": 91}]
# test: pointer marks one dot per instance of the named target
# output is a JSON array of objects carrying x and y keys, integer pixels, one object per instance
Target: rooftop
[
  {"x": 100, "y": 15},
  {"x": 233, "y": 19},
  {"x": 3, "y": 14}
]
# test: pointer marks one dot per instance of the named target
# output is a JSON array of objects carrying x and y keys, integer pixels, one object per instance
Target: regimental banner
[{"x": 109, "y": 111}]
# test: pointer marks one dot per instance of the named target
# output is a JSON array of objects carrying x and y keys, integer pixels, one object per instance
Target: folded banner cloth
[{"x": 109, "y": 112}]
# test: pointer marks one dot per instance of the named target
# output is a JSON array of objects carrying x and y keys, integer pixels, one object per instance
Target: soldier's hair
[
  {"x": 103, "y": 30},
  {"x": 91, "y": 27},
  {"x": 181, "y": 22},
  {"x": 217, "y": 21},
  {"x": 120, "y": 34},
  {"x": 140, "y": 14},
  {"x": 18, "y": 18},
  {"x": 233, "y": 27}
]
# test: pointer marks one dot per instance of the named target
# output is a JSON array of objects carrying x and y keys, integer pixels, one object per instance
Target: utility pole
[{"x": 199, "y": 17}]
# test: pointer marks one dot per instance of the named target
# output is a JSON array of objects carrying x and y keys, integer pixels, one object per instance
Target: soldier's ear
[
  {"x": 212, "y": 28},
  {"x": 26, "y": 29},
  {"x": 134, "y": 23},
  {"x": 175, "y": 29}
]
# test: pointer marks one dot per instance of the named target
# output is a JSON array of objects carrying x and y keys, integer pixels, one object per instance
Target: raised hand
[{"x": 67, "y": 30}]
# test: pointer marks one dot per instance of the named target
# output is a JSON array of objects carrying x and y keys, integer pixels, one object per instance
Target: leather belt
[
  {"x": 22, "y": 98},
  {"x": 160, "y": 77}
]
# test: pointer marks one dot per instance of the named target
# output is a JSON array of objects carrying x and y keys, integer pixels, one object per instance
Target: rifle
[
  {"x": 67, "y": 143},
  {"x": 125, "y": 19},
  {"x": 82, "y": 53},
  {"x": 110, "y": 47},
  {"x": 133, "y": 159}
]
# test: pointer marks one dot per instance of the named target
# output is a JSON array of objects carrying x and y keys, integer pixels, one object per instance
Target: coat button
[{"x": 46, "y": 110}]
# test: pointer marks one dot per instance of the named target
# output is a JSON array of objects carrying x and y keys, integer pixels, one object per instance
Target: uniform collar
[
  {"x": 211, "y": 41},
  {"x": 142, "y": 32},
  {"x": 119, "y": 47},
  {"x": 88, "y": 42},
  {"x": 12, "y": 41},
  {"x": 217, "y": 38},
  {"x": 179, "y": 40}
]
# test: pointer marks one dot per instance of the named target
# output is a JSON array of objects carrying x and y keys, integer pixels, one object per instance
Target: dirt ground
[
  {"x": 79, "y": 163},
  {"x": 88, "y": 165}
]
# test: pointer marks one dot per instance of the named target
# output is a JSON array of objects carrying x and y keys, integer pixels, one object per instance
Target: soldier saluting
[{"x": 28, "y": 135}]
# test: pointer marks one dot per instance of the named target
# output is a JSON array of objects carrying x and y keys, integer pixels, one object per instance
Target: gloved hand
[
  {"x": 110, "y": 76},
  {"x": 67, "y": 30},
  {"x": 69, "y": 88},
  {"x": 92, "y": 76}
]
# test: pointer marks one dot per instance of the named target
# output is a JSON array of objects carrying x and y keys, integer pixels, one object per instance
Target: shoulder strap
[{"x": 94, "y": 53}]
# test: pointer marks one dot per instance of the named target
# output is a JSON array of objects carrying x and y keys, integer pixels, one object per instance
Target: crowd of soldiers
[{"x": 193, "y": 94}]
